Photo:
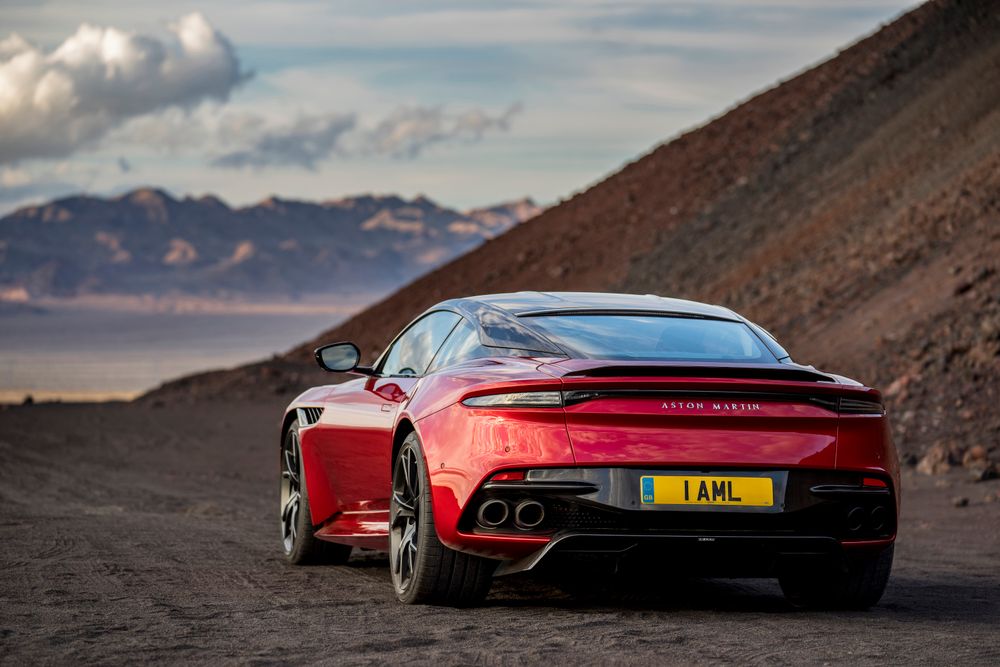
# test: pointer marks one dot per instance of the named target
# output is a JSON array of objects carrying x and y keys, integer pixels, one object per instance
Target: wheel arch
[
  {"x": 403, "y": 428},
  {"x": 286, "y": 423}
]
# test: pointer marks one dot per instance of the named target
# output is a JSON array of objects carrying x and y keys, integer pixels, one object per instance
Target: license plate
[{"x": 707, "y": 490}]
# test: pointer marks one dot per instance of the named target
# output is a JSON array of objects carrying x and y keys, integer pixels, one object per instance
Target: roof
[
  {"x": 533, "y": 303},
  {"x": 498, "y": 315}
]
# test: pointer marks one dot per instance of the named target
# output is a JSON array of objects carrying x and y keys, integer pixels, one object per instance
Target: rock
[
  {"x": 985, "y": 473},
  {"x": 936, "y": 461},
  {"x": 960, "y": 501},
  {"x": 975, "y": 457},
  {"x": 898, "y": 387}
]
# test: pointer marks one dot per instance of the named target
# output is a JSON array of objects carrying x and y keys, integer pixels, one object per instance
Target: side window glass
[
  {"x": 412, "y": 352},
  {"x": 463, "y": 344}
]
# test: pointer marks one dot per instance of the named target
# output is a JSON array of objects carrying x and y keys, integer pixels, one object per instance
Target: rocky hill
[
  {"x": 854, "y": 210},
  {"x": 149, "y": 243}
]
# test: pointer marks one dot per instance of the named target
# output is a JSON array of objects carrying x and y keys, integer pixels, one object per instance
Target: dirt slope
[{"x": 854, "y": 210}]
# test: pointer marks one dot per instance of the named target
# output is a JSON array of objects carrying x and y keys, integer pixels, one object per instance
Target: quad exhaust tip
[
  {"x": 492, "y": 513},
  {"x": 856, "y": 519},
  {"x": 529, "y": 514},
  {"x": 879, "y": 519}
]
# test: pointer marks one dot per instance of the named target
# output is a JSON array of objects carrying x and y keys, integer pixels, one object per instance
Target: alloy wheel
[
  {"x": 404, "y": 522},
  {"x": 291, "y": 456}
]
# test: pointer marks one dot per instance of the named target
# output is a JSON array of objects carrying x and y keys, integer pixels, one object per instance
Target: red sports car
[{"x": 501, "y": 433}]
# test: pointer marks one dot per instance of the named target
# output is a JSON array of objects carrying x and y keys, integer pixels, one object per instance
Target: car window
[
  {"x": 463, "y": 344},
  {"x": 412, "y": 352},
  {"x": 771, "y": 342},
  {"x": 654, "y": 338}
]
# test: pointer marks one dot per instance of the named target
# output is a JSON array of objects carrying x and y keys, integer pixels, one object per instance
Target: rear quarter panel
[{"x": 463, "y": 445}]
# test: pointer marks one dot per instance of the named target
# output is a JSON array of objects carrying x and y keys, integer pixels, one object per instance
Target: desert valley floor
[{"x": 136, "y": 533}]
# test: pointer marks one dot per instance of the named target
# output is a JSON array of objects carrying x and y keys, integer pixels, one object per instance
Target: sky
[{"x": 469, "y": 103}]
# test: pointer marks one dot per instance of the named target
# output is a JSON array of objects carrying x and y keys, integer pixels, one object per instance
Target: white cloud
[
  {"x": 313, "y": 138},
  {"x": 52, "y": 104}
]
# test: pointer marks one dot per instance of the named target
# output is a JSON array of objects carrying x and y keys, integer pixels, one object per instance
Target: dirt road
[{"x": 133, "y": 533}]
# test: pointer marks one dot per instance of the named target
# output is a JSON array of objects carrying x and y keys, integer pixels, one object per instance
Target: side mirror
[{"x": 340, "y": 358}]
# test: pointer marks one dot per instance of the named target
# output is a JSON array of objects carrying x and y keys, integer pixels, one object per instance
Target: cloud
[
  {"x": 409, "y": 131},
  {"x": 303, "y": 143},
  {"x": 52, "y": 104},
  {"x": 313, "y": 138}
]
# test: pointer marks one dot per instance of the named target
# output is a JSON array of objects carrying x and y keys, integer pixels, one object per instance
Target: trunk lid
[{"x": 702, "y": 415}]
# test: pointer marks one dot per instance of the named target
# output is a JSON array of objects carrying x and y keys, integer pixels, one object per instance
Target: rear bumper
[
  {"x": 596, "y": 511},
  {"x": 693, "y": 554}
]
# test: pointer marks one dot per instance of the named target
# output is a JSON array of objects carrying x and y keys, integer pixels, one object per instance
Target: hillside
[
  {"x": 147, "y": 242},
  {"x": 854, "y": 210}
]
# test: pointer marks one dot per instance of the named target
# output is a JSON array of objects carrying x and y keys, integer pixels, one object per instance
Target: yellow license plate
[{"x": 707, "y": 490}]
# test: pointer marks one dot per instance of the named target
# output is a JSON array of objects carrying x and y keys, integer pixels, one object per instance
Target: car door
[{"x": 356, "y": 446}]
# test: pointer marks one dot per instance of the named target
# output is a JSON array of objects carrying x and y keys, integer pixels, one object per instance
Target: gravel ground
[{"x": 136, "y": 534}]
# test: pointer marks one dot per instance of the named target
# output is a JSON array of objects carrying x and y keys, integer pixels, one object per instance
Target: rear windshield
[{"x": 653, "y": 338}]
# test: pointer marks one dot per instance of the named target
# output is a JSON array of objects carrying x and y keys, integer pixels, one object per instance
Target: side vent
[{"x": 309, "y": 416}]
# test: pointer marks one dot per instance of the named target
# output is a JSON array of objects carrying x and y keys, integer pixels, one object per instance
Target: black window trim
[
  {"x": 380, "y": 362},
  {"x": 475, "y": 332}
]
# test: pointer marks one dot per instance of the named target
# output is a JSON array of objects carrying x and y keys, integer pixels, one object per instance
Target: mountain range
[
  {"x": 853, "y": 210},
  {"x": 148, "y": 243}
]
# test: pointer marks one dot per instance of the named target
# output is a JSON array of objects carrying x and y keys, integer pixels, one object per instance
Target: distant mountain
[{"x": 147, "y": 242}]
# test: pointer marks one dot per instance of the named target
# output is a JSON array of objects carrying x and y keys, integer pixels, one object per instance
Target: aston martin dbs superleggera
[{"x": 501, "y": 433}]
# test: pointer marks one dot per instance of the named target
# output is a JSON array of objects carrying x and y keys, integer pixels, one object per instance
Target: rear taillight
[
  {"x": 521, "y": 399},
  {"x": 854, "y": 406}
]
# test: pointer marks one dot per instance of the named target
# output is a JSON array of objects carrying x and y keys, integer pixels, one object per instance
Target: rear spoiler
[{"x": 749, "y": 372}]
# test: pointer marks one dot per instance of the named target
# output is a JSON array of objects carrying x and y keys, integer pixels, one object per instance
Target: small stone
[
  {"x": 936, "y": 461},
  {"x": 960, "y": 501},
  {"x": 985, "y": 473},
  {"x": 975, "y": 457}
]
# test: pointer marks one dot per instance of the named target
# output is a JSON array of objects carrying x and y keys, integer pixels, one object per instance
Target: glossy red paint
[
  {"x": 690, "y": 422},
  {"x": 359, "y": 528}
]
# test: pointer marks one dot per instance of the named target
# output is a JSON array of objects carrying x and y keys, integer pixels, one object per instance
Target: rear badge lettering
[
  {"x": 696, "y": 405},
  {"x": 736, "y": 406}
]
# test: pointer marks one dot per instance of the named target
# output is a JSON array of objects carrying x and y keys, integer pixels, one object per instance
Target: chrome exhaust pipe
[
  {"x": 492, "y": 513},
  {"x": 529, "y": 514}
]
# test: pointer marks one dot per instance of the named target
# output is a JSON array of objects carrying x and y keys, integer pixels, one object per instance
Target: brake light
[
  {"x": 874, "y": 482},
  {"x": 521, "y": 399}
]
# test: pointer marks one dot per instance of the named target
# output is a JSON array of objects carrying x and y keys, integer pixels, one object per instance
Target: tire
[
  {"x": 424, "y": 571},
  {"x": 859, "y": 585},
  {"x": 299, "y": 542}
]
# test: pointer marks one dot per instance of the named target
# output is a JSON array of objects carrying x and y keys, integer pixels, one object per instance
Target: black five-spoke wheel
[
  {"x": 291, "y": 456},
  {"x": 301, "y": 546},
  {"x": 424, "y": 571},
  {"x": 403, "y": 533}
]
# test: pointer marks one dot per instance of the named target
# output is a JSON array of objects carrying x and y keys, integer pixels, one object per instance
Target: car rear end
[
  {"x": 753, "y": 467},
  {"x": 738, "y": 473}
]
